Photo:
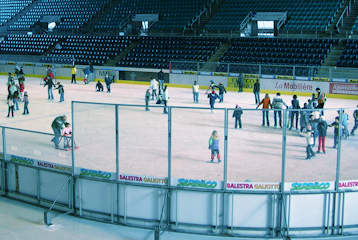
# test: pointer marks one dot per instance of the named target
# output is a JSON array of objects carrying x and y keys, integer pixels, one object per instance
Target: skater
[
  {"x": 313, "y": 122},
  {"x": 161, "y": 79},
  {"x": 266, "y": 104},
  {"x": 214, "y": 146},
  {"x": 295, "y": 105},
  {"x": 10, "y": 103},
  {"x": 57, "y": 125},
  {"x": 345, "y": 124},
  {"x": 26, "y": 104},
  {"x": 321, "y": 99},
  {"x": 49, "y": 83},
  {"x": 335, "y": 124},
  {"x": 277, "y": 105},
  {"x": 237, "y": 115},
  {"x": 322, "y": 132},
  {"x": 196, "y": 92},
  {"x": 154, "y": 87},
  {"x": 240, "y": 82},
  {"x": 257, "y": 91},
  {"x": 314, "y": 100},
  {"x": 67, "y": 135},
  {"x": 73, "y": 71},
  {"x": 355, "y": 116},
  {"x": 222, "y": 90},
  {"x": 108, "y": 82},
  {"x": 165, "y": 98},
  {"x": 309, "y": 141},
  {"x": 61, "y": 91},
  {"x": 147, "y": 99},
  {"x": 212, "y": 97},
  {"x": 15, "y": 99},
  {"x": 212, "y": 86},
  {"x": 99, "y": 86}
]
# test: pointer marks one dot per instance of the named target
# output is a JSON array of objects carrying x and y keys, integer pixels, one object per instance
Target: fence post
[
  {"x": 117, "y": 160},
  {"x": 282, "y": 205},
  {"x": 226, "y": 135},
  {"x": 73, "y": 160},
  {"x": 169, "y": 164}
]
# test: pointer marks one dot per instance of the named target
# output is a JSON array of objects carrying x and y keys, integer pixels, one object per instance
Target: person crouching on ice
[{"x": 214, "y": 146}]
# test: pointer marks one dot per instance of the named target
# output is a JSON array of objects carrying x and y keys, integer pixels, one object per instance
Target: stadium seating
[
  {"x": 172, "y": 14},
  {"x": 23, "y": 44},
  {"x": 306, "y": 15},
  {"x": 10, "y": 8},
  {"x": 349, "y": 58},
  {"x": 74, "y": 13},
  {"x": 157, "y": 52},
  {"x": 88, "y": 49}
]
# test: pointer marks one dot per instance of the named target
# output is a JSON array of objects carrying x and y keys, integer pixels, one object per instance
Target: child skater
[
  {"x": 67, "y": 136},
  {"x": 26, "y": 104},
  {"x": 309, "y": 142},
  {"x": 212, "y": 97},
  {"x": 335, "y": 124},
  {"x": 214, "y": 146}
]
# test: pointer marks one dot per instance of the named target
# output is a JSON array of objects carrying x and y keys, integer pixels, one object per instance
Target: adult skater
[
  {"x": 161, "y": 79},
  {"x": 321, "y": 99},
  {"x": 73, "y": 71},
  {"x": 222, "y": 91},
  {"x": 147, "y": 99},
  {"x": 277, "y": 106},
  {"x": 237, "y": 115},
  {"x": 57, "y": 125},
  {"x": 154, "y": 88},
  {"x": 212, "y": 97},
  {"x": 195, "y": 88},
  {"x": 108, "y": 82},
  {"x": 295, "y": 105},
  {"x": 49, "y": 83},
  {"x": 256, "y": 91},
  {"x": 355, "y": 116},
  {"x": 266, "y": 105}
]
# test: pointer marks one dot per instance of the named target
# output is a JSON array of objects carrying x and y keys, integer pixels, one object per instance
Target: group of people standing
[
  {"x": 16, "y": 92},
  {"x": 157, "y": 92}
]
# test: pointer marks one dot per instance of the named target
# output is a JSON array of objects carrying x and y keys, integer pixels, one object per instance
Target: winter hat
[{"x": 213, "y": 92}]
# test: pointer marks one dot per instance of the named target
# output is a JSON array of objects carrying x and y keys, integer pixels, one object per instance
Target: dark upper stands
[
  {"x": 88, "y": 49},
  {"x": 302, "y": 15},
  {"x": 157, "y": 52},
  {"x": 172, "y": 14},
  {"x": 75, "y": 13},
  {"x": 28, "y": 45},
  {"x": 349, "y": 57},
  {"x": 10, "y": 8}
]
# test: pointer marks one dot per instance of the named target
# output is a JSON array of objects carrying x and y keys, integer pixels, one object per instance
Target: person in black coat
[
  {"x": 99, "y": 87},
  {"x": 256, "y": 91},
  {"x": 237, "y": 115},
  {"x": 295, "y": 105},
  {"x": 108, "y": 82}
]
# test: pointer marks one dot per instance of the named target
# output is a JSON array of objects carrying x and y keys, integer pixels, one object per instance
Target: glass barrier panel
[
  {"x": 310, "y": 156},
  {"x": 254, "y": 151},
  {"x": 194, "y": 155},
  {"x": 95, "y": 135},
  {"x": 143, "y": 141}
]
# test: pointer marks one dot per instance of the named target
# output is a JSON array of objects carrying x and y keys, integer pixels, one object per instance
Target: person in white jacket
[
  {"x": 309, "y": 142},
  {"x": 154, "y": 87},
  {"x": 165, "y": 99}
]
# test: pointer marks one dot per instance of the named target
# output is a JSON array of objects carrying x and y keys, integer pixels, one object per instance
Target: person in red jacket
[{"x": 266, "y": 105}]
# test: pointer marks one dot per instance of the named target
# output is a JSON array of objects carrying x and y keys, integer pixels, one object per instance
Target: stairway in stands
[
  {"x": 211, "y": 64},
  {"x": 115, "y": 60}
]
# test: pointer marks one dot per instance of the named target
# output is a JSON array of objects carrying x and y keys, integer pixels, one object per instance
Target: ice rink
[{"x": 254, "y": 152}]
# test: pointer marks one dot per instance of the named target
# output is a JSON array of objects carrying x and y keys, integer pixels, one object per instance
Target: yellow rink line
[{"x": 340, "y": 96}]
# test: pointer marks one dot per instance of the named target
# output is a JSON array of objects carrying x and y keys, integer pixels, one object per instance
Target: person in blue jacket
[{"x": 212, "y": 97}]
